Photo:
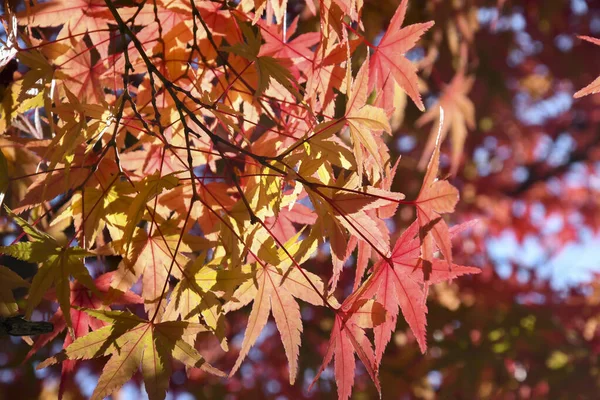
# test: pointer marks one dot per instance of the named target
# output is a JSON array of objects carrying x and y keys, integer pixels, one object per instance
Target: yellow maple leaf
[
  {"x": 274, "y": 289},
  {"x": 132, "y": 342}
]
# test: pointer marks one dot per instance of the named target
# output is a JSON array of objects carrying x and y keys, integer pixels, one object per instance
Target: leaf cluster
[{"x": 214, "y": 152}]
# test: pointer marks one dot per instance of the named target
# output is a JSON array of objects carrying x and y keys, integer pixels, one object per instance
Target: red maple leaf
[
  {"x": 389, "y": 64},
  {"x": 401, "y": 285},
  {"x": 348, "y": 337}
]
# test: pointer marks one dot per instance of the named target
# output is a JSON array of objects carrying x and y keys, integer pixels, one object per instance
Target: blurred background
[{"x": 526, "y": 157}]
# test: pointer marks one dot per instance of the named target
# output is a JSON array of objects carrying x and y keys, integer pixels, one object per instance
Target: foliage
[{"x": 180, "y": 171}]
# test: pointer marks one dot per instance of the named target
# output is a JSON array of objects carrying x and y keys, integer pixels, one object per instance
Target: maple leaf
[
  {"x": 324, "y": 150},
  {"x": 332, "y": 15},
  {"x": 388, "y": 60},
  {"x": 593, "y": 87},
  {"x": 57, "y": 264},
  {"x": 401, "y": 285},
  {"x": 41, "y": 68},
  {"x": 352, "y": 8},
  {"x": 10, "y": 280},
  {"x": 80, "y": 298},
  {"x": 274, "y": 288},
  {"x": 436, "y": 197},
  {"x": 132, "y": 342},
  {"x": 459, "y": 114},
  {"x": 347, "y": 338},
  {"x": 284, "y": 47}
]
